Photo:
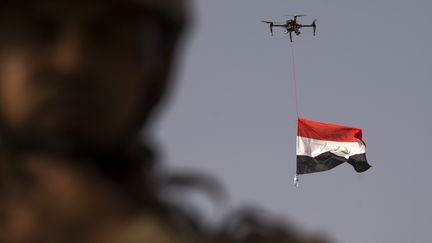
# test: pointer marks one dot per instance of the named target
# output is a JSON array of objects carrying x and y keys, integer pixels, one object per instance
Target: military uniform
[{"x": 53, "y": 191}]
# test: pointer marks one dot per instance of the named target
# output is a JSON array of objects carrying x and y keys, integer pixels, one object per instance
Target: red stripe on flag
[{"x": 329, "y": 132}]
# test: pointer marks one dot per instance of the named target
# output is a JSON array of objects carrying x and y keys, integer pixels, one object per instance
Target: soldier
[{"x": 79, "y": 82}]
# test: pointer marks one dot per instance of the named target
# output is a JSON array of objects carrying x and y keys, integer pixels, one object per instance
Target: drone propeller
[
  {"x": 296, "y": 16},
  {"x": 271, "y": 25},
  {"x": 271, "y": 22},
  {"x": 314, "y": 26}
]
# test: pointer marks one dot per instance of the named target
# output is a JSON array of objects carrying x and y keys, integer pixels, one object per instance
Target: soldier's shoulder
[
  {"x": 150, "y": 228},
  {"x": 156, "y": 229}
]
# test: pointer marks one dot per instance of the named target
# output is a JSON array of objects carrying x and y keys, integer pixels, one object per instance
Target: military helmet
[{"x": 174, "y": 10}]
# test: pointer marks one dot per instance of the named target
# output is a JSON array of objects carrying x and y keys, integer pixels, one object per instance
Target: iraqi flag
[{"x": 321, "y": 147}]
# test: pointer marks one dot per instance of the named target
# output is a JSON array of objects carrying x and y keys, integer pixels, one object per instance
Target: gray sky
[{"x": 233, "y": 113}]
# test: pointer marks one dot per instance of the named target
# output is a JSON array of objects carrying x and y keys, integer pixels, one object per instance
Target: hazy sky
[{"x": 370, "y": 66}]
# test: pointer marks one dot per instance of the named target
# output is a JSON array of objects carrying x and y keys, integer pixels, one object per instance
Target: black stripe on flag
[{"x": 327, "y": 161}]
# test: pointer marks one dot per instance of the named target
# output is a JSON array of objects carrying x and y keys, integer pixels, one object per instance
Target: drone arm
[
  {"x": 313, "y": 25},
  {"x": 271, "y": 24}
]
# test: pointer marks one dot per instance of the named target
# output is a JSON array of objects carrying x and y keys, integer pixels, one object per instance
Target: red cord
[{"x": 294, "y": 78}]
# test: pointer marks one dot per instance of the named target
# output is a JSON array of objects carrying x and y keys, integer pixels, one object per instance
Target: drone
[{"x": 291, "y": 25}]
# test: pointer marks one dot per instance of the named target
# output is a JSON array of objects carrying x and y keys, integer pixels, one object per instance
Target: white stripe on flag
[{"x": 314, "y": 147}]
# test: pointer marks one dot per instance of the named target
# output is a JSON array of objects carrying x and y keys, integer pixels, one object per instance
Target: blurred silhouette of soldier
[{"x": 79, "y": 82}]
